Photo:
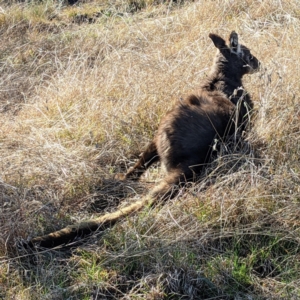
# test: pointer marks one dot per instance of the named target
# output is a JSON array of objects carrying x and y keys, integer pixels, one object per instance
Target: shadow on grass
[
  {"x": 111, "y": 193},
  {"x": 140, "y": 267},
  {"x": 132, "y": 262}
]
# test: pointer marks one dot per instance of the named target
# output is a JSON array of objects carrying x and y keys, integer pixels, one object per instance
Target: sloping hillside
[{"x": 82, "y": 91}]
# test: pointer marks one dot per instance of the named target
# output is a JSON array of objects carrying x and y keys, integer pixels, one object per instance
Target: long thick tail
[{"x": 72, "y": 232}]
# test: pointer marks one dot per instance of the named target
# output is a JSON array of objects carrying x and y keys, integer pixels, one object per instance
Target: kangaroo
[
  {"x": 185, "y": 137},
  {"x": 219, "y": 108}
]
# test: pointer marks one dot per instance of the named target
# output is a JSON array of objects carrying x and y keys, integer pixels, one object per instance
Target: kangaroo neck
[{"x": 224, "y": 83}]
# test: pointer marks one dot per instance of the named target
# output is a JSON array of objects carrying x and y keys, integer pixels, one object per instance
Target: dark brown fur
[
  {"x": 221, "y": 107},
  {"x": 185, "y": 136}
]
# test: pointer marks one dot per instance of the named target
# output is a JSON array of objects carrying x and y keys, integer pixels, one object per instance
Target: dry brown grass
[{"x": 82, "y": 90}]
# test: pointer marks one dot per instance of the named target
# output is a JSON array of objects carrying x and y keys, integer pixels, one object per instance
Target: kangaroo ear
[
  {"x": 234, "y": 42},
  {"x": 218, "y": 41}
]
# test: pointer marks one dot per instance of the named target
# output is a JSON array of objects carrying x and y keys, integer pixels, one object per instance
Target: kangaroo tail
[{"x": 72, "y": 232}]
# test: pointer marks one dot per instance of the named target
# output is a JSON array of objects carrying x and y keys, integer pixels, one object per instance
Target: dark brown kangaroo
[{"x": 185, "y": 136}]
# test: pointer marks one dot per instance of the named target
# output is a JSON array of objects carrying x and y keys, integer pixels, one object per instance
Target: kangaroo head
[{"x": 235, "y": 57}]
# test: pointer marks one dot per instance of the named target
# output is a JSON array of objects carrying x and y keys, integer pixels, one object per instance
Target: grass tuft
[{"x": 82, "y": 90}]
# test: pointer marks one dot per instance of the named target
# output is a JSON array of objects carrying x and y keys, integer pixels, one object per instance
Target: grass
[{"x": 82, "y": 91}]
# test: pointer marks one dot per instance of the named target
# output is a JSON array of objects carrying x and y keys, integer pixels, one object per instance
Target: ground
[{"x": 82, "y": 90}]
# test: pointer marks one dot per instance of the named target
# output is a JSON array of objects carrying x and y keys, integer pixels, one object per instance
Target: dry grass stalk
[{"x": 78, "y": 99}]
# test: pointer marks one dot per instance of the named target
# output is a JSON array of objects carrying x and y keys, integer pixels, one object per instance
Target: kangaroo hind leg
[{"x": 148, "y": 157}]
